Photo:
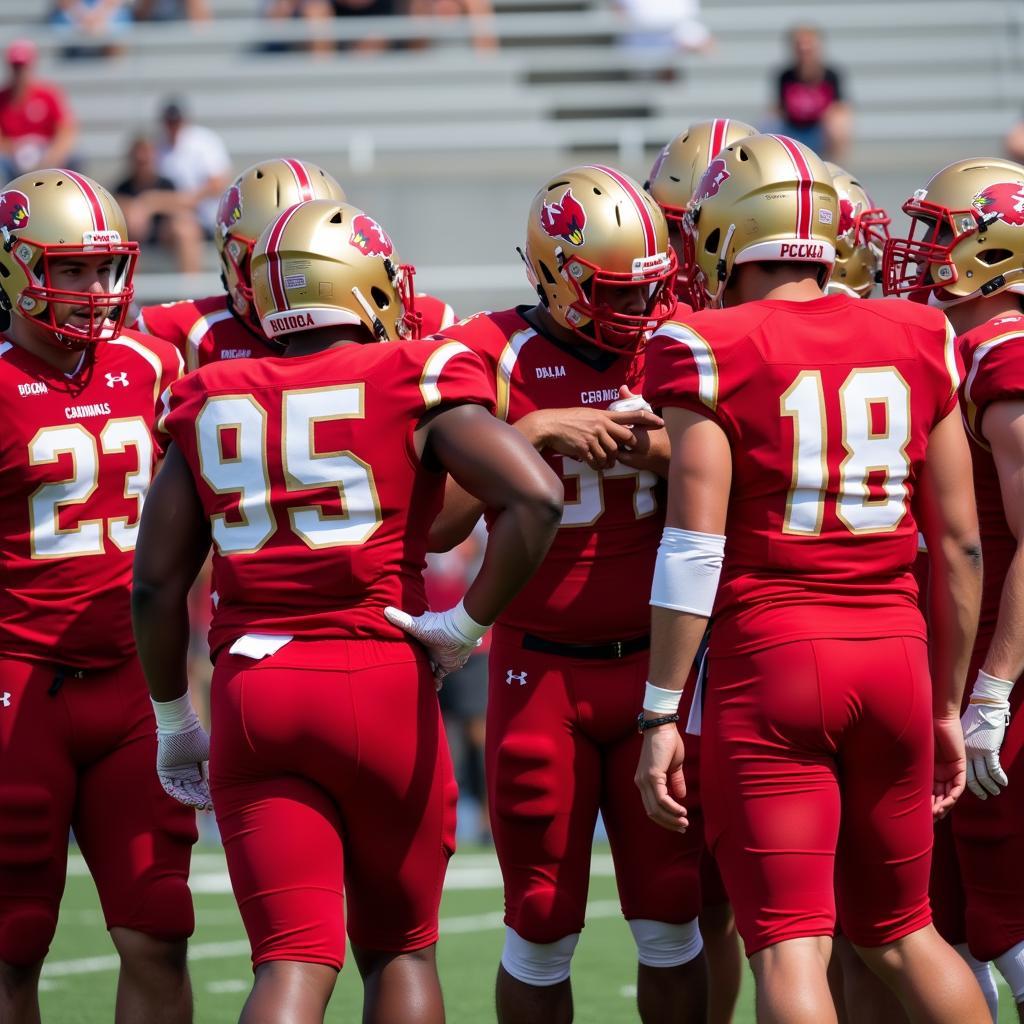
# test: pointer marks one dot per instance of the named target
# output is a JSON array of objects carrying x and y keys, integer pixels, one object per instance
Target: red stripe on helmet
[
  {"x": 302, "y": 179},
  {"x": 99, "y": 220},
  {"x": 805, "y": 180},
  {"x": 646, "y": 221},
  {"x": 276, "y": 266},
  {"x": 719, "y": 132}
]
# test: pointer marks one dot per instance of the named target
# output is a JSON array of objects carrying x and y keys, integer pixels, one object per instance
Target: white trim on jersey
[
  {"x": 703, "y": 357},
  {"x": 199, "y": 330},
  {"x": 433, "y": 368},
  {"x": 506, "y": 364}
]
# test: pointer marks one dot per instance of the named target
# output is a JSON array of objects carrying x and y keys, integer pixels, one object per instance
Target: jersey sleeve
[
  {"x": 184, "y": 400},
  {"x": 995, "y": 373},
  {"x": 680, "y": 371},
  {"x": 163, "y": 322},
  {"x": 453, "y": 374}
]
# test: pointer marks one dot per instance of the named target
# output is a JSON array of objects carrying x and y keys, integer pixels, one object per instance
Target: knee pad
[
  {"x": 26, "y": 933},
  {"x": 983, "y": 972},
  {"x": 1011, "y": 967},
  {"x": 538, "y": 964},
  {"x": 161, "y": 908},
  {"x": 659, "y": 944}
]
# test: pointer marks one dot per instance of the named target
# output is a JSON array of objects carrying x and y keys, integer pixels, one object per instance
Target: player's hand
[
  {"x": 984, "y": 724},
  {"x": 450, "y": 637},
  {"x": 181, "y": 764},
  {"x": 950, "y": 766},
  {"x": 659, "y": 777},
  {"x": 593, "y": 436}
]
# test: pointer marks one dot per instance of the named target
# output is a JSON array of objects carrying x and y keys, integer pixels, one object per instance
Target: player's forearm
[
  {"x": 517, "y": 542},
  {"x": 1005, "y": 656},
  {"x": 161, "y": 624},
  {"x": 954, "y": 606},
  {"x": 455, "y": 521},
  {"x": 675, "y": 638}
]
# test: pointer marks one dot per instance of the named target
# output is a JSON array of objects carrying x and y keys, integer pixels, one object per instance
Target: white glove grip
[
  {"x": 661, "y": 701},
  {"x": 687, "y": 570},
  {"x": 991, "y": 689},
  {"x": 176, "y": 715}
]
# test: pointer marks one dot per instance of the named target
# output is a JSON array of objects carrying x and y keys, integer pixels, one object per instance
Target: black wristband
[{"x": 643, "y": 724}]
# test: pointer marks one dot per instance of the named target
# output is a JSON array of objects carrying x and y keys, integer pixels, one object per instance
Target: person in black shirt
[{"x": 809, "y": 98}]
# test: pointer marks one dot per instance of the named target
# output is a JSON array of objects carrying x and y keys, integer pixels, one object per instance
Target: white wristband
[
  {"x": 176, "y": 715},
  {"x": 991, "y": 689},
  {"x": 465, "y": 624},
  {"x": 686, "y": 571},
  {"x": 661, "y": 701}
]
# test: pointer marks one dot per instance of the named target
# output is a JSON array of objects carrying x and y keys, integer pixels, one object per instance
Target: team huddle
[{"x": 736, "y": 516}]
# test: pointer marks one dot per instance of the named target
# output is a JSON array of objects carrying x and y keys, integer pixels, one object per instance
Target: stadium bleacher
[{"x": 446, "y": 144}]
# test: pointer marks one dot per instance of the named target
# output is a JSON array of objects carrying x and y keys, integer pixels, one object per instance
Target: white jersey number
[
  {"x": 47, "y": 538},
  {"x": 875, "y": 432},
  {"x": 589, "y": 504},
  {"x": 232, "y": 436}
]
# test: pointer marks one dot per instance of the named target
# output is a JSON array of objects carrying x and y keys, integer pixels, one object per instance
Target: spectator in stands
[
  {"x": 315, "y": 12},
  {"x": 171, "y": 10},
  {"x": 1014, "y": 142},
  {"x": 664, "y": 24},
  {"x": 196, "y": 160},
  {"x": 37, "y": 128},
  {"x": 809, "y": 98},
  {"x": 156, "y": 213},
  {"x": 85, "y": 19},
  {"x": 479, "y": 12}
]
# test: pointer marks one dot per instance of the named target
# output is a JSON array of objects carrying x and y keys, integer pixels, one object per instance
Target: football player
[
  {"x": 81, "y": 399},
  {"x": 226, "y": 326},
  {"x": 570, "y": 653},
  {"x": 677, "y": 171},
  {"x": 802, "y": 421},
  {"x": 861, "y": 232},
  {"x": 963, "y": 254},
  {"x": 316, "y": 475}
]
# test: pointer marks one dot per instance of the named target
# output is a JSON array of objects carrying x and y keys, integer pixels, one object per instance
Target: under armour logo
[
  {"x": 6, "y": 700},
  {"x": 519, "y": 677},
  {"x": 117, "y": 378}
]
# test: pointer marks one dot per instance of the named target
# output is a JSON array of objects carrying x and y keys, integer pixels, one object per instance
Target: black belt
[{"x": 609, "y": 651}]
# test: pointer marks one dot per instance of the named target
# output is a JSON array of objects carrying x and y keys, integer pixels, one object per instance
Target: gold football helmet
[
  {"x": 969, "y": 227},
  {"x": 249, "y": 204},
  {"x": 322, "y": 264},
  {"x": 53, "y": 214},
  {"x": 597, "y": 252},
  {"x": 860, "y": 237},
  {"x": 764, "y": 198}
]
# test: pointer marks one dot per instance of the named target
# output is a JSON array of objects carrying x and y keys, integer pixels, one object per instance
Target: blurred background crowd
[{"x": 441, "y": 117}]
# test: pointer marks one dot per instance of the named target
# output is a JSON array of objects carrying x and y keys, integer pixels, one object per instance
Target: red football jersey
[
  {"x": 206, "y": 331},
  {"x": 595, "y": 582},
  {"x": 203, "y": 330},
  {"x": 993, "y": 356},
  {"x": 828, "y": 406},
  {"x": 76, "y": 460},
  {"x": 318, "y": 506}
]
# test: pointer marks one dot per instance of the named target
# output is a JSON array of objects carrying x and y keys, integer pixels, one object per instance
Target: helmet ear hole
[
  {"x": 711, "y": 242},
  {"x": 380, "y": 297},
  {"x": 743, "y": 155},
  {"x": 336, "y": 219},
  {"x": 990, "y": 257},
  {"x": 546, "y": 272}
]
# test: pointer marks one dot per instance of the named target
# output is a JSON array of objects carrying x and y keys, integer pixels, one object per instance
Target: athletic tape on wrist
[
  {"x": 991, "y": 689},
  {"x": 661, "y": 701},
  {"x": 174, "y": 715}
]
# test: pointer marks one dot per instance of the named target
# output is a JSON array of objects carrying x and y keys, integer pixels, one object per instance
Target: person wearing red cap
[{"x": 37, "y": 128}]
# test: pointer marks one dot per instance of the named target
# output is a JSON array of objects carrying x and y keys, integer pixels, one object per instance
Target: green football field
[{"x": 78, "y": 981}]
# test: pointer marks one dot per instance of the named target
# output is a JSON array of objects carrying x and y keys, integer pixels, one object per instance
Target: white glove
[
  {"x": 984, "y": 724},
  {"x": 450, "y": 637},
  {"x": 182, "y": 751}
]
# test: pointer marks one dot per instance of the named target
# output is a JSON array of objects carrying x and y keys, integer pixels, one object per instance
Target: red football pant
[
  {"x": 990, "y": 847},
  {"x": 817, "y": 779},
  {"x": 561, "y": 745},
  {"x": 84, "y": 758},
  {"x": 329, "y": 766}
]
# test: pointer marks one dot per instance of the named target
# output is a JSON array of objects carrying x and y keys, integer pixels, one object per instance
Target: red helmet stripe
[
  {"x": 805, "y": 180},
  {"x": 99, "y": 220},
  {"x": 302, "y": 179},
  {"x": 276, "y": 268},
  {"x": 719, "y": 133},
  {"x": 646, "y": 220}
]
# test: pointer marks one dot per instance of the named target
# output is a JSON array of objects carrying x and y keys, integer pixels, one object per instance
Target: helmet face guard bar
[
  {"x": 105, "y": 312},
  {"x": 613, "y": 330},
  {"x": 924, "y": 264}
]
